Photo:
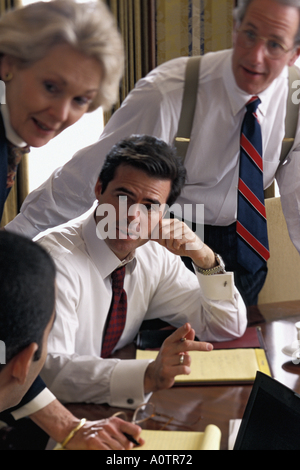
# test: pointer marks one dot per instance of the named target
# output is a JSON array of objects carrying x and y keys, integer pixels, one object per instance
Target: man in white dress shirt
[
  {"x": 146, "y": 172},
  {"x": 227, "y": 81}
]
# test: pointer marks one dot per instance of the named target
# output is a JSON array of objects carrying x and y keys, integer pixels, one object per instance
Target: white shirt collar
[
  {"x": 105, "y": 260},
  {"x": 238, "y": 98},
  {"x": 11, "y": 135}
]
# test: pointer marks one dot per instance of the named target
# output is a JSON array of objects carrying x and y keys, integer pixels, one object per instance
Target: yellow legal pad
[
  {"x": 210, "y": 439},
  {"x": 221, "y": 366}
]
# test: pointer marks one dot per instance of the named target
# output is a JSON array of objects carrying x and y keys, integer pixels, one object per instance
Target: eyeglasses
[
  {"x": 274, "y": 49},
  {"x": 146, "y": 412}
]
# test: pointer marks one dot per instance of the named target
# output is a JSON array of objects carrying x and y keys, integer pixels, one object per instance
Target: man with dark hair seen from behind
[
  {"x": 27, "y": 313},
  {"x": 27, "y": 300}
]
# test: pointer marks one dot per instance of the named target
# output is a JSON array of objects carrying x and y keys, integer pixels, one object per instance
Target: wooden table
[{"x": 196, "y": 407}]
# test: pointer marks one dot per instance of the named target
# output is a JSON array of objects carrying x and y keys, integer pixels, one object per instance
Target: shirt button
[{"x": 130, "y": 401}]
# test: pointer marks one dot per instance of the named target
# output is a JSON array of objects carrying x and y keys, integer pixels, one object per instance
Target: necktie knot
[
  {"x": 253, "y": 104},
  {"x": 117, "y": 277}
]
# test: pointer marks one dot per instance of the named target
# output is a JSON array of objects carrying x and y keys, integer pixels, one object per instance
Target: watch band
[{"x": 220, "y": 269}]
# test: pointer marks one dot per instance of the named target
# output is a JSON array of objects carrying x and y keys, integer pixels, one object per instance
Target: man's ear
[
  {"x": 98, "y": 189},
  {"x": 294, "y": 57},
  {"x": 21, "y": 363}
]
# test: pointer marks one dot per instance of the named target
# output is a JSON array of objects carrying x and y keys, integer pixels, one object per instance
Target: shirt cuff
[
  {"x": 39, "y": 402},
  {"x": 218, "y": 286},
  {"x": 131, "y": 393}
]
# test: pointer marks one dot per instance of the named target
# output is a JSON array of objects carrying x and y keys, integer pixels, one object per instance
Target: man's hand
[
  {"x": 107, "y": 434},
  {"x": 180, "y": 240},
  {"x": 161, "y": 373}
]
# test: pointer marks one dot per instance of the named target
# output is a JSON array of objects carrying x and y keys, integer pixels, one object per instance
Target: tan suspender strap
[
  {"x": 292, "y": 117},
  {"x": 189, "y": 102}
]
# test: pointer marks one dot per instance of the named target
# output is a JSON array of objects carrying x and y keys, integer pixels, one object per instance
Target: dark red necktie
[
  {"x": 253, "y": 245},
  {"x": 118, "y": 311}
]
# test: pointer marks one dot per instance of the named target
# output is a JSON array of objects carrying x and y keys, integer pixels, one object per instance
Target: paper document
[
  {"x": 224, "y": 365},
  {"x": 178, "y": 440}
]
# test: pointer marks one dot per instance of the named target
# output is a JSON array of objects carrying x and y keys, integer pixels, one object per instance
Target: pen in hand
[{"x": 131, "y": 439}]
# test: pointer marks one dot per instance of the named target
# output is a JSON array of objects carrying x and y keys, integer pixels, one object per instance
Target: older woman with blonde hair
[{"x": 58, "y": 60}]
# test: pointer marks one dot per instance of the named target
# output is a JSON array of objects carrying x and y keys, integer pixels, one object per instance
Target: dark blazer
[{"x": 38, "y": 385}]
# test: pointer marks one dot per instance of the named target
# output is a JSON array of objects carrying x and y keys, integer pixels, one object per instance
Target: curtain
[
  {"x": 136, "y": 20},
  {"x": 193, "y": 27},
  {"x": 21, "y": 188},
  {"x": 155, "y": 31}
]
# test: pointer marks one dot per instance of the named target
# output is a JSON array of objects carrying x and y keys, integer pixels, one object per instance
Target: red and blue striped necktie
[{"x": 253, "y": 246}]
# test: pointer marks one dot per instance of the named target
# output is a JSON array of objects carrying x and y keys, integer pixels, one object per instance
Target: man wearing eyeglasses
[{"x": 248, "y": 83}]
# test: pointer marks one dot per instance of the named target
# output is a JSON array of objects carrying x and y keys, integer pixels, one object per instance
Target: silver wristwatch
[{"x": 220, "y": 269}]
